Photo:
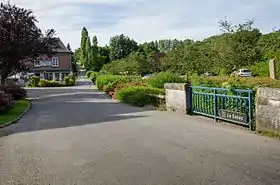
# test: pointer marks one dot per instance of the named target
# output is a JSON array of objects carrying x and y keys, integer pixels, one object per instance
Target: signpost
[{"x": 233, "y": 116}]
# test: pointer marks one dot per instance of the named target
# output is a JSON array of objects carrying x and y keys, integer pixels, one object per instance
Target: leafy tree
[
  {"x": 84, "y": 55},
  {"x": 73, "y": 61},
  {"x": 87, "y": 55},
  {"x": 241, "y": 41},
  {"x": 21, "y": 41},
  {"x": 121, "y": 46},
  {"x": 105, "y": 53}
]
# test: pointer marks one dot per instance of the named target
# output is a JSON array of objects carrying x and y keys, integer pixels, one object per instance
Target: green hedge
[
  {"x": 93, "y": 76},
  {"x": 139, "y": 95},
  {"x": 161, "y": 78},
  {"x": 49, "y": 83},
  {"x": 33, "y": 81},
  {"x": 105, "y": 80},
  {"x": 235, "y": 83},
  {"x": 70, "y": 80}
]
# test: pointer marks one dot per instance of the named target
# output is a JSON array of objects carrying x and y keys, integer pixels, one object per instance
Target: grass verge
[
  {"x": 19, "y": 107},
  {"x": 268, "y": 133}
]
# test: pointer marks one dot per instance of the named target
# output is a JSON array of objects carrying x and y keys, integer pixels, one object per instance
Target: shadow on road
[{"x": 71, "y": 111}]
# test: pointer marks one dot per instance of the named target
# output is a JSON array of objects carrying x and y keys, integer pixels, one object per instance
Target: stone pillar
[
  {"x": 53, "y": 76},
  {"x": 272, "y": 69},
  {"x": 60, "y": 76},
  {"x": 175, "y": 96}
]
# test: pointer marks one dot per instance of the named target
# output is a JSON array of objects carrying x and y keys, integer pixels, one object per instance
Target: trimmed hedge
[
  {"x": 235, "y": 83},
  {"x": 33, "y": 81},
  {"x": 139, "y": 96},
  {"x": 161, "y": 78},
  {"x": 49, "y": 83},
  {"x": 113, "y": 80}
]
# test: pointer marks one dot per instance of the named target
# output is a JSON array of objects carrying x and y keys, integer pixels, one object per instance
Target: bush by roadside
[
  {"x": 235, "y": 83},
  {"x": 6, "y": 102},
  {"x": 69, "y": 80},
  {"x": 113, "y": 80},
  {"x": 139, "y": 95},
  {"x": 15, "y": 91},
  {"x": 33, "y": 81},
  {"x": 49, "y": 83},
  {"x": 161, "y": 78}
]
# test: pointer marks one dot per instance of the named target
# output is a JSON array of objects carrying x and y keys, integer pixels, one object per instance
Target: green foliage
[
  {"x": 138, "y": 95},
  {"x": 161, "y": 78},
  {"x": 33, "y": 81},
  {"x": 69, "y": 80},
  {"x": 239, "y": 46},
  {"x": 121, "y": 46},
  {"x": 103, "y": 80},
  {"x": 6, "y": 102},
  {"x": 15, "y": 91},
  {"x": 88, "y": 73},
  {"x": 14, "y": 112},
  {"x": 235, "y": 83},
  {"x": 49, "y": 83},
  {"x": 93, "y": 76}
]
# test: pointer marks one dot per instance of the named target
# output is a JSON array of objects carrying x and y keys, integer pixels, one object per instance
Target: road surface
[{"x": 76, "y": 136}]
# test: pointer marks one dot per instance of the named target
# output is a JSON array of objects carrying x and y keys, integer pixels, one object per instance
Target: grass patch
[
  {"x": 19, "y": 107},
  {"x": 269, "y": 134}
]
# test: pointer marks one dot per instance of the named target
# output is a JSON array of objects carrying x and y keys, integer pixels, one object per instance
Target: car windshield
[{"x": 245, "y": 71}]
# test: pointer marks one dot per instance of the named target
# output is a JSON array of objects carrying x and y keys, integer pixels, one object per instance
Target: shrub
[
  {"x": 88, "y": 73},
  {"x": 161, "y": 78},
  {"x": 236, "y": 83},
  {"x": 103, "y": 80},
  {"x": 93, "y": 76},
  {"x": 141, "y": 83},
  {"x": 6, "y": 102},
  {"x": 15, "y": 91},
  {"x": 69, "y": 80},
  {"x": 49, "y": 83},
  {"x": 138, "y": 95},
  {"x": 33, "y": 81}
]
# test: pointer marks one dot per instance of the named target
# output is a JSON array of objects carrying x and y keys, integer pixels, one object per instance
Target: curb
[{"x": 19, "y": 117}]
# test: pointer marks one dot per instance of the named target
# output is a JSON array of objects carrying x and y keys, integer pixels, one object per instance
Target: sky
[{"x": 146, "y": 20}]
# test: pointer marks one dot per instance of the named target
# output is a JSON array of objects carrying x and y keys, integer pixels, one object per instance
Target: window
[
  {"x": 55, "y": 62},
  {"x": 37, "y": 64}
]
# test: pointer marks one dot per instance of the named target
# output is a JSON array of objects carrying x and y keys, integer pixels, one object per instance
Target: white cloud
[{"x": 146, "y": 20}]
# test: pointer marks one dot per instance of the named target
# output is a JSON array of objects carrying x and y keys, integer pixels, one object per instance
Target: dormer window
[{"x": 55, "y": 62}]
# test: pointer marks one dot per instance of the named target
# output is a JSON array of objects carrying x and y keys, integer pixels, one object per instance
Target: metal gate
[{"x": 233, "y": 105}]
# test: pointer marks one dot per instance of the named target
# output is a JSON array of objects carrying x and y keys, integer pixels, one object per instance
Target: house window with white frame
[
  {"x": 55, "y": 62},
  {"x": 37, "y": 63}
]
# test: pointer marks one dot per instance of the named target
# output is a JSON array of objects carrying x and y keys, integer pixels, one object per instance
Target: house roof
[{"x": 61, "y": 47}]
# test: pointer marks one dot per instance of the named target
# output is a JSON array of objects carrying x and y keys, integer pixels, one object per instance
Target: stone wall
[
  {"x": 268, "y": 110},
  {"x": 175, "y": 97}
]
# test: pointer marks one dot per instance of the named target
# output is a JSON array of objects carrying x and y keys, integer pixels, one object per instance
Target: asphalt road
[{"x": 79, "y": 137}]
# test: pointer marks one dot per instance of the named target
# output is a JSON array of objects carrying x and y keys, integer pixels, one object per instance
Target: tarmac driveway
[{"x": 77, "y": 136}]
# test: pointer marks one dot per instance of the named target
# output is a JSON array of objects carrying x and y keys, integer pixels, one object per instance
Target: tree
[
  {"x": 87, "y": 55},
  {"x": 73, "y": 61},
  {"x": 241, "y": 45},
  {"x": 83, "y": 55},
  {"x": 21, "y": 41},
  {"x": 121, "y": 46}
]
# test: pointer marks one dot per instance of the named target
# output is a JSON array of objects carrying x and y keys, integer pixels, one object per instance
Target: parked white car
[
  {"x": 244, "y": 73},
  {"x": 147, "y": 76}
]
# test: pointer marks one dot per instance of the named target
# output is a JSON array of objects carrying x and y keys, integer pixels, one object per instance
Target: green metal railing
[{"x": 233, "y": 105}]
